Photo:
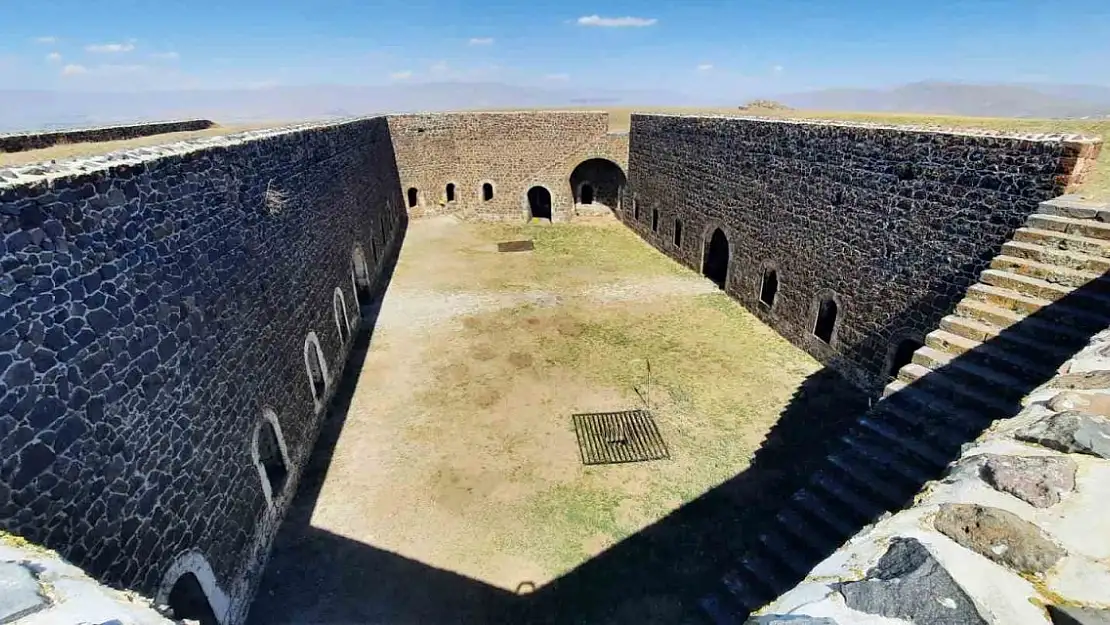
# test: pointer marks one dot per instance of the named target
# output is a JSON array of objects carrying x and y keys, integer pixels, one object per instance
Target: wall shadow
[{"x": 659, "y": 574}]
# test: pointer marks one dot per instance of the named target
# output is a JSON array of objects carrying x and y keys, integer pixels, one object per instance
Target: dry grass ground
[
  {"x": 458, "y": 449},
  {"x": 1097, "y": 187},
  {"x": 75, "y": 150}
]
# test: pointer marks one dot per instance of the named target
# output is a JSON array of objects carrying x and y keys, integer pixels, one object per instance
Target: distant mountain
[
  {"x": 25, "y": 109},
  {"x": 944, "y": 98}
]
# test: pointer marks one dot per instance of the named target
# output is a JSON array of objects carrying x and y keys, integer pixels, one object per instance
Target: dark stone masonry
[
  {"x": 890, "y": 224},
  {"x": 20, "y": 142},
  {"x": 151, "y": 312},
  {"x": 174, "y": 320}
]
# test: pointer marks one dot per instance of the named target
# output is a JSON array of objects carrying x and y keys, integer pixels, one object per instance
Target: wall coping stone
[{"x": 74, "y": 129}]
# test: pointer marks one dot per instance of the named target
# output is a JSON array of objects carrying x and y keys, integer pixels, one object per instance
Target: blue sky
[{"x": 714, "y": 46}]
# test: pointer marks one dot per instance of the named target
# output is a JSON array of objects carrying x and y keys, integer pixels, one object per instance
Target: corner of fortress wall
[
  {"x": 137, "y": 285},
  {"x": 154, "y": 305}
]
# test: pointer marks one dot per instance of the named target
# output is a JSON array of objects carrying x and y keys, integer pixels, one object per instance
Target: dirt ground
[{"x": 457, "y": 455}]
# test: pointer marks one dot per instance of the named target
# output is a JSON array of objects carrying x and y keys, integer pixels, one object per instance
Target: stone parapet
[{"x": 21, "y": 142}]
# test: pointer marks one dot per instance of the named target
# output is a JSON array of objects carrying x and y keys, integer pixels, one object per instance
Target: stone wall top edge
[
  {"x": 924, "y": 129},
  {"x": 28, "y": 174},
  {"x": 75, "y": 129},
  {"x": 491, "y": 113}
]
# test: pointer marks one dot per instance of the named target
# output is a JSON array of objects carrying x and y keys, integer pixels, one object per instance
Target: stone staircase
[{"x": 1008, "y": 335}]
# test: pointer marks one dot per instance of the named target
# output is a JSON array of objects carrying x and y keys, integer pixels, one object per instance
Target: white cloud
[
  {"x": 440, "y": 67},
  {"x": 110, "y": 47},
  {"x": 54, "y": 57},
  {"x": 46, "y": 40},
  {"x": 402, "y": 75},
  {"x": 558, "y": 77},
  {"x": 705, "y": 67},
  {"x": 74, "y": 70},
  {"x": 166, "y": 56},
  {"x": 616, "y": 22},
  {"x": 481, "y": 41},
  {"x": 777, "y": 69}
]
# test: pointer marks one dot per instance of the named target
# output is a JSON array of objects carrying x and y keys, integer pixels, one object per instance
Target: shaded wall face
[
  {"x": 511, "y": 151},
  {"x": 605, "y": 178},
  {"x": 148, "y": 315},
  {"x": 894, "y": 225}
]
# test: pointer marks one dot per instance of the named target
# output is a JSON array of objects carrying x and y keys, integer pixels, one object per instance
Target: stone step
[
  {"x": 931, "y": 457},
  {"x": 1043, "y": 289},
  {"x": 820, "y": 539},
  {"x": 750, "y": 596},
  {"x": 1062, "y": 241},
  {"x": 975, "y": 317},
  {"x": 1023, "y": 305},
  {"x": 1072, "y": 206},
  {"x": 992, "y": 380},
  {"x": 1050, "y": 273},
  {"x": 996, "y": 355},
  {"x": 1082, "y": 227},
  {"x": 796, "y": 557},
  {"x": 766, "y": 570},
  {"x": 864, "y": 509},
  {"x": 857, "y": 473},
  {"x": 818, "y": 511},
  {"x": 902, "y": 466},
  {"x": 923, "y": 416},
  {"x": 1054, "y": 256},
  {"x": 722, "y": 610},
  {"x": 960, "y": 392}
]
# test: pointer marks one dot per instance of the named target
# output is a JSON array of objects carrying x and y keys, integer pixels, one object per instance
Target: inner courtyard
[{"x": 451, "y": 449}]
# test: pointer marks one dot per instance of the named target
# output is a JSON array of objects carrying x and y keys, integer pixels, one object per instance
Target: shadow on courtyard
[{"x": 654, "y": 576}]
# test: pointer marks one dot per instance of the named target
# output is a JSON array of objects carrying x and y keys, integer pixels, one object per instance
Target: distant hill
[{"x": 944, "y": 98}]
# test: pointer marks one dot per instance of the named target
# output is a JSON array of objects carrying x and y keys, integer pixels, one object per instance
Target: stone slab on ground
[
  {"x": 999, "y": 535},
  {"x": 1072, "y": 431},
  {"x": 20, "y": 594},
  {"x": 1037, "y": 480}
]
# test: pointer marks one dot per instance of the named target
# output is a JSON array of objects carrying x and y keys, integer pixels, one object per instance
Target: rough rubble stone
[
  {"x": 1096, "y": 404},
  {"x": 19, "y": 592},
  {"x": 1073, "y": 431},
  {"x": 1036, "y": 480},
  {"x": 999, "y": 535},
  {"x": 1076, "y": 615},
  {"x": 909, "y": 583}
]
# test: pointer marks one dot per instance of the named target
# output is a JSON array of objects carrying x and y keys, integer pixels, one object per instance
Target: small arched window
[
  {"x": 826, "y": 320},
  {"x": 189, "y": 589},
  {"x": 270, "y": 456},
  {"x": 188, "y": 601},
  {"x": 450, "y": 192},
  {"x": 769, "y": 287},
  {"x": 360, "y": 274},
  {"x": 342, "y": 321},
  {"x": 487, "y": 192},
  {"x": 413, "y": 196},
  {"x": 635, "y": 208},
  {"x": 655, "y": 220},
  {"x": 678, "y": 233},
  {"x": 317, "y": 369}
]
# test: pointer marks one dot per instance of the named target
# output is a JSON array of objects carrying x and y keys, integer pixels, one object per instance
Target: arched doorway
[
  {"x": 596, "y": 184},
  {"x": 188, "y": 601},
  {"x": 539, "y": 203},
  {"x": 902, "y": 356},
  {"x": 715, "y": 262}
]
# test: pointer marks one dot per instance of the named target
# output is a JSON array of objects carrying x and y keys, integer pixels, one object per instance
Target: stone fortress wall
[
  {"x": 22, "y": 141},
  {"x": 158, "y": 316},
  {"x": 891, "y": 224},
  {"x": 512, "y": 152},
  {"x": 145, "y": 293}
]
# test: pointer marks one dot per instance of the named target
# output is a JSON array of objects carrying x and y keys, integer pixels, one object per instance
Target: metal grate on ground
[
  {"x": 516, "y": 246},
  {"x": 617, "y": 437}
]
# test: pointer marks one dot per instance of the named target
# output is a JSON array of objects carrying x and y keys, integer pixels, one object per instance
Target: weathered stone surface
[
  {"x": 1037, "y": 480},
  {"x": 1089, "y": 380},
  {"x": 1073, "y": 431},
  {"x": 18, "y": 142},
  {"x": 19, "y": 592},
  {"x": 999, "y": 535},
  {"x": 910, "y": 584},
  {"x": 1075, "y": 615},
  {"x": 789, "y": 619},
  {"x": 1091, "y": 403}
]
